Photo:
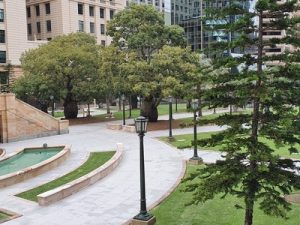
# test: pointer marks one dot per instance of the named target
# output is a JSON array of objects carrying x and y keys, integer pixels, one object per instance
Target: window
[
  {"x": 37, "y": 10},
  {"x": 111, "y": 14},
  {"x": 49, "y": 39},
  {"x": 80, "y": 8},
  {"x": 91, "y": 8},
  {"x": 4, "y": 77},
  {"x": 29, "y": 29},
  {"x": 80, "y": 26},
  {"x": 103, "y": 43},
  {"x": 102, "y": 28},
  {"x": 47, "y": 8},
  {"x": 2, "y": 56},
  {"x": 38, "y": 27},
  {"x": 92, "y": 27},
  {"x": 102, "y": 13},
  {"x": 48, "y": 25},
  {"x": 1, "y": 15},
  {"x": 2, "y": 36},
  {"x": 28, "y": 11}
]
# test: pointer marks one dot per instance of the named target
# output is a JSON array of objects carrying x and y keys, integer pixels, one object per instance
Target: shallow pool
[{"x": 27, "y": 158}]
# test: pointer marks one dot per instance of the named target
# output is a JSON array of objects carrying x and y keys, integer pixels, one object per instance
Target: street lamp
[
  {"x": 123, "y": 101},
  {"x": 141, "y": 128},
  {"x": 52, "y": 104},
  {"x": 195, "y": 159},
  {"x": 170, "y": 118}
]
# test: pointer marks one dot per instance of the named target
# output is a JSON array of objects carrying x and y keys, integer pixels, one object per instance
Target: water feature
[{"x": 26, "y": 158}]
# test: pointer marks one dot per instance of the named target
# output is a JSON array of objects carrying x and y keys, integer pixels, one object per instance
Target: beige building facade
[
  {"x": 13, "y": 39},
  {"x": 47, "y": 19}
]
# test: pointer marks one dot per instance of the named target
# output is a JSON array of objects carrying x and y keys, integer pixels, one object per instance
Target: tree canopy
[
  {"x": 65, "y": 68},
  {"x": 270, "y": 83}
]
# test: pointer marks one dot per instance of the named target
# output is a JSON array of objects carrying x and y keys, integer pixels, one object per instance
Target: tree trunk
[
  {"x": 249, "y": 211},
  {"x": 70, "y": 107},
  {"x": 134, "y": 102},
  {"x": 149, "y": 110},
  {"x": 107, "y": 105}
]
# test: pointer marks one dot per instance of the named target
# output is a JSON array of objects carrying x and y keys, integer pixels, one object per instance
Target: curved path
[{"x": 111, "y": 201}]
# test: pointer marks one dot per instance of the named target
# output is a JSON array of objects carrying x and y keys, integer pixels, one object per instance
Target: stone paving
[{"x": 113, "y": 200}]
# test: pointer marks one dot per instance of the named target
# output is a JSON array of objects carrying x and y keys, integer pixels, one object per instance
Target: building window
[
  {"x": 103, "y": 43},
  {"x": 2, "y": 36},
  {"x": 102, "y": 28},
  {"x": 37, "y": 10},
  {"x": 29, "y": 29},
  {"x": 92, "y": 27},
  {"x": 91, "y": 8},
  {"x": 49, "y": 39},
  {"x": 2, "y": 56},
  {"x": 1, "y": 15},
  {"x": 80, "y": 26},
  {"x": 38, "y": 27},
  {"x": 102, "y": 13},
  {"x": 4, "y": 78},
  {"x": 48, "y": 25},
  {"x": 80, "y": 8},
  {"x": 111, "y": 14},
  {"x": 28, "y": 11},
  {"x": 47, "y": 8}
]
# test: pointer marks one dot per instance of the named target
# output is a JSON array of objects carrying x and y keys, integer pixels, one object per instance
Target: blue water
[{"x": 26, "y": 158}]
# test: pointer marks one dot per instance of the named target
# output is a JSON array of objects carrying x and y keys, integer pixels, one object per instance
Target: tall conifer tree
[{"x": 250, "y": 169}]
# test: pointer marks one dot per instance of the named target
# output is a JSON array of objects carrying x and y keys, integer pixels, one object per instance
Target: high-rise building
[
  {"x": 47, "y": 19},
  {"x": 13, "y": 39}
]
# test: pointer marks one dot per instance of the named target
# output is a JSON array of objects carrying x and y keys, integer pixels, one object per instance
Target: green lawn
[
  {"x": 185, "y": 141},
  {"x": 95, "y": 160},
  {"x": 3, "y": 216},
  {"x": 173, "y": 211}
]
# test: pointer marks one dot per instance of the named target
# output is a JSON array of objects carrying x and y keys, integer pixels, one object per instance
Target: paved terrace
[{"x": 114, "y": 199}]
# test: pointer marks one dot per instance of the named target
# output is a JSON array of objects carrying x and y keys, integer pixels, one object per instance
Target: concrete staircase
[{"x": 19, "y": 121}]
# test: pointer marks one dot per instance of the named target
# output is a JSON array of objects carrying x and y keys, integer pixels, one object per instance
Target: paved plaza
[{"x": 114, "y": 199}]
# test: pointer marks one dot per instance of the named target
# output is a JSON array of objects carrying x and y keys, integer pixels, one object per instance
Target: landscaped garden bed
[{"x": 95, "y": 160}]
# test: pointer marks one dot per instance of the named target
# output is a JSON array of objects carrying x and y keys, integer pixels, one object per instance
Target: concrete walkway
[{"x": 111, "y": 201}]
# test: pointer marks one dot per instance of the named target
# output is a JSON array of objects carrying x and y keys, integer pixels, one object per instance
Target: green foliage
[
  {"x": 65, "y": 67},
  {"x": 251, "y": 170},
  {"x": 95, "y": 160},
  {"x": 174, "y": 209}
]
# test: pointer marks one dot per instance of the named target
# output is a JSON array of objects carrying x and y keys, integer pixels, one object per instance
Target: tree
[
  {"x": 142, "y": 28},
  {"x": 65, "y": 67},
  {"x": 112, "y": 78},
  {"x": 164, "y": 76},
  {"x": 250, "y": 169}
]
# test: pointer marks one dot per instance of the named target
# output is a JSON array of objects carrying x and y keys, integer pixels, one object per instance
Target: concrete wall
[{"x": 19, "y": 121}]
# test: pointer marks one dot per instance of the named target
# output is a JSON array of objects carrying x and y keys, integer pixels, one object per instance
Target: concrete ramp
[{"x": 19, "y": 121}]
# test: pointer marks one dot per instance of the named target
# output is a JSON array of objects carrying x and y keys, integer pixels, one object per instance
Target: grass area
[
  {"x": 3, "y": 216},
  {"x": 185, "y": 141},
  {"x": 95, "y": 160},
  {"x": 186, "y": 122},
  {"x": 173, "y": 211},
  {"x": 59, "y": 114}
]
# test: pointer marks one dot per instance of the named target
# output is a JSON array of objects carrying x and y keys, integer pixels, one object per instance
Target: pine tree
[{"x": 250, "y": 169}]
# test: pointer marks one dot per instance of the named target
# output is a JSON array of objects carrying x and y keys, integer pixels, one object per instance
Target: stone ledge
[
  {"x": 2, "y": 152},
  {"x": 75, "y": 186},
  {"x": 128, "y": 128},
  {"x": 113, "y": 126}
]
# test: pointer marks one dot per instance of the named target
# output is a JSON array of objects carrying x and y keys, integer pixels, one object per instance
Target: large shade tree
[
  {"x": 65, "y": 67},
  {"x": 250, "y": 169},
  {"x": 143, "y": 30}
]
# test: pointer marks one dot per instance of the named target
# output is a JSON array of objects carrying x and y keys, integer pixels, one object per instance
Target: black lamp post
[
  {"x": 170, "y": 118},
  {"x": 195, "y": 158},
  {"x": 123, "y": 102},
  {"x": 52, "y": 104},
  {"x": 141, "y": 128}
]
